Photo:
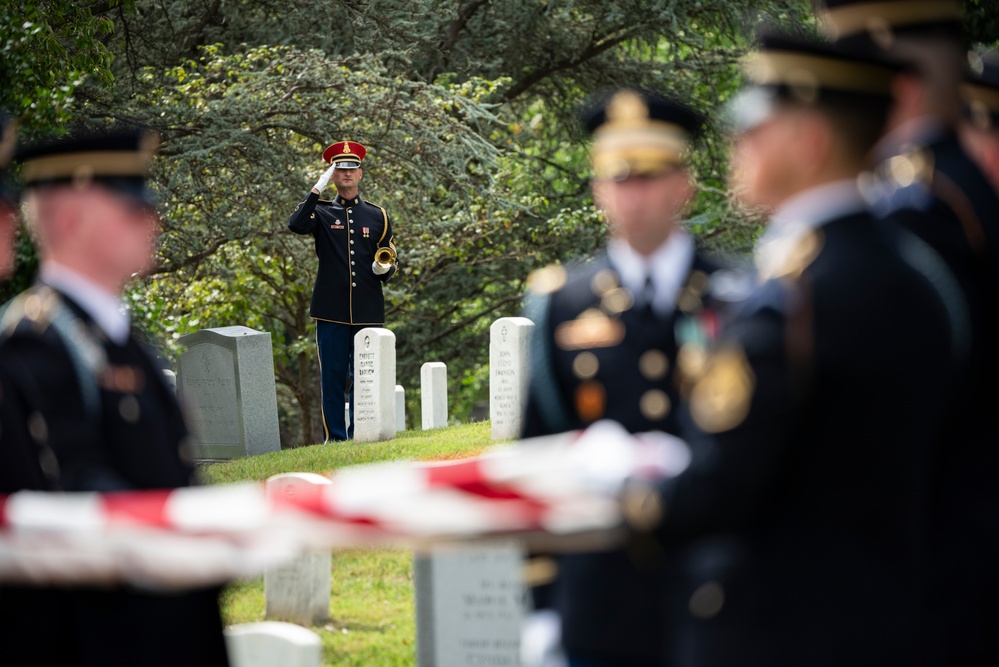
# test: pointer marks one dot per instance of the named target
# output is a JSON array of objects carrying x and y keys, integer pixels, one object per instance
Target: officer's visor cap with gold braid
[
  {"x": 638, "y": 133},
  {"x": 118, "y": 159},
  {"x": 807, "y": 72},
  {"x": 880, "y": 21}
]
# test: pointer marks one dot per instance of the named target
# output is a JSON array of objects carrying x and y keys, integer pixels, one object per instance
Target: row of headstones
[
  {"x": 470, "y": 600},
  {"x": 226, "y": 380}
]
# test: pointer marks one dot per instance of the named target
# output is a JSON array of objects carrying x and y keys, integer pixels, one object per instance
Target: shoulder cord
[{"x": 923, "y": 258}]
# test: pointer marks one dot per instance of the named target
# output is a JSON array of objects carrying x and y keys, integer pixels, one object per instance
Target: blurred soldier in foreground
[
  {"x": 605, "y": 347},
  {"x": 18, "y": 463},
  {"x": 980, "y": 129},
  {"x": 99, "y": 416},
  {"x": 930, "y": 185},
  {"x": 799, "y": 521},
  {"x": 356, "y": 250}
]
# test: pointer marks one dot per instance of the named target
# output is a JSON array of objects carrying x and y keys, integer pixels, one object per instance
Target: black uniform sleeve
[
  {"x": 388, "y": 241},
  {"x": 302, "y": 221}
]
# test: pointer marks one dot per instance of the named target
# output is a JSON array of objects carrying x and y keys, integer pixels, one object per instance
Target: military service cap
[
  {"x": 345, "y": 154},
  {"x": 117, "y": 159},
  {"x": 808, "y": 72},
  {"x": 638, "y": 132},
  {"x": 981, "y": 92},
  {"x": 881, "y": 20}
]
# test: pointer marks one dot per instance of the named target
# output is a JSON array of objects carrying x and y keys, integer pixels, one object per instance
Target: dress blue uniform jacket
[
  {"x": 800, "y": 526},
  {"x": 131, "y": 437},
  {"x": 347, "y": 234},
  {"x": 612, "y": 603},
  {"x": 954, "y": 208}
]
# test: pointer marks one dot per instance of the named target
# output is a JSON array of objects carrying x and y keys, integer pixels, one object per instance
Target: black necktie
[{"x": 648, "y": 294}]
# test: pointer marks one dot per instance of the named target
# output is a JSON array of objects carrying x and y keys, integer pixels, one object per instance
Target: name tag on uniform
[
  {"x": 336, "y": 226},
  {"x": 122, "y": 379}
]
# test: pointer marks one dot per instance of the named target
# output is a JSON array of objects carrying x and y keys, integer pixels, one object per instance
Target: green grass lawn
[{"x": 372, "y": 618}]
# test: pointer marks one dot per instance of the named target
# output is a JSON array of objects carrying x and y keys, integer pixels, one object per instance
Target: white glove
[
  {"x": 540, "y": 638},
  {"x": 606, "y": 455},
  {"x": 324, "y": 179},
  {"x": 379, "y": 269}
]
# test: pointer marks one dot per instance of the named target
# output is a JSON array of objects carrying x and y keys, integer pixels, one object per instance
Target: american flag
[{"x": 561, "y": 490}]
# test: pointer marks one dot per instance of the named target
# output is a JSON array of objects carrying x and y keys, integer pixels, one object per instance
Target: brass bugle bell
[{"x": 385, "y": 256}]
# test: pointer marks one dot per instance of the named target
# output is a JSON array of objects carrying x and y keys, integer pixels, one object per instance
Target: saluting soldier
[
  {"x": 931, "y": 186},
  {"x": 605, "y": 347},
  {"x": 97, "y": 413},
  {"x": 357, "y": 255},
  {"x": 799, "y": 519}
]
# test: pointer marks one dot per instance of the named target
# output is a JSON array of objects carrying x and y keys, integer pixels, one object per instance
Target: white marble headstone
[
  {"x": 400, "y": 408},
  {"x": 470, "y": 604},
  {"x": 272, "y": 644},
  {"x": 433, "y": 394},
  {"x": 298, "y": 591},
  {"x": 509, "y": 342},
  {"x": 374, "y": 385},
  {"x": 225, "y": 380}
]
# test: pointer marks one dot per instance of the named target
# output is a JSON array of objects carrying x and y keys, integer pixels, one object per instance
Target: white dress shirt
[
  {"x": 667, "y": 268},
  {"x": 799, "y": 215},
  {"x": 106, "y": 309}
]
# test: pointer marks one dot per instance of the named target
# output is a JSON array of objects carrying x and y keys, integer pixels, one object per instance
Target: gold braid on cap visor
[
  {"x": 839, "y": 22},
  {"x": 650, "y": 148},
  {"x": 816, "y": 72}
]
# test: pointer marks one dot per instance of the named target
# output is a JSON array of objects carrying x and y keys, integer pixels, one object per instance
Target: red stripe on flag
[
  {"x": 469, "y": 477},
  {"x": 146, "y": 508}
]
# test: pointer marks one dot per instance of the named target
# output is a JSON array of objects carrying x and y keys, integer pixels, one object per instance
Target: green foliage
[
  {"x": 467, "y": 107},
  {"x": 47, "y": 50}
]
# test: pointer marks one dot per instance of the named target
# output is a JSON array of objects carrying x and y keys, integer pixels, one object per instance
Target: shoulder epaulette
[
  {"x": 34, "y": 307},
  {"x": 902, "y": 182},
  {"x": 542, "y": 282},
  {"x": 40, "y": 309}
]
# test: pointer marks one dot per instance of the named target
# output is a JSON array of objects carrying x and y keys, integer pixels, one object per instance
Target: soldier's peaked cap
[
  {"x": 116, "y": 158},
  {"x": 801, "y": 66},
  {"x": 345, "y": 154},
  {"x": 807, "y": 71},
  {"x": 638, "y": 132},
  {"x": 881, "y": 19}
]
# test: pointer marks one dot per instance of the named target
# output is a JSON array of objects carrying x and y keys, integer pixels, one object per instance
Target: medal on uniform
[{"x": 365, "y": 231}]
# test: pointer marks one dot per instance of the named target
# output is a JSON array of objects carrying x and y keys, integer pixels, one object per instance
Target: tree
[{"x": 467, "y": 107}]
